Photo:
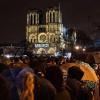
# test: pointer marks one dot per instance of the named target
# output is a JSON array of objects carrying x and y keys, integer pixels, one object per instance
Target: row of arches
[
  {"x": 32, "y": 18},
  {"x": 42, "y": 38},
  {"x": 51, "y": 16},
  {"x": 44, "y": 51}
]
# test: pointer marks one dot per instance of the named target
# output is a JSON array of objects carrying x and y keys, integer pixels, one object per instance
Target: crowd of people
[{"x": 42, "y": 78}]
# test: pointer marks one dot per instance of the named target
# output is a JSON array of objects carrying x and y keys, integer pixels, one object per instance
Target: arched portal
[
  {"x": 41, "y": 51},
  {"x": 51, "y": 51},
  {"x": 32, "y": 38}
]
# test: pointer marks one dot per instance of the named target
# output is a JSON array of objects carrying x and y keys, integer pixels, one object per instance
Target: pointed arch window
[
  {"x": 50, "y": 17},
  {"x": 34, "y": 19},
  {"x": 31, "y": 19},
  {"x": 53, "y": 17}
]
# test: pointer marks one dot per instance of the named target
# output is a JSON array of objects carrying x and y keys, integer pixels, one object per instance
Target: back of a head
[
  {"x": 75, "y": 72},
  {"x": 55, "y": 76},
  {"x": 16, "y": 59}
]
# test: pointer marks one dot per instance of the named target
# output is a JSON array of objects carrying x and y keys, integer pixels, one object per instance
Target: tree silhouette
[{"x": 83, "y": 39}]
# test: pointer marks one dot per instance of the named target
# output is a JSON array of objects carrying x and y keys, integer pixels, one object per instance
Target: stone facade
[{"x": 44, "y": 30}]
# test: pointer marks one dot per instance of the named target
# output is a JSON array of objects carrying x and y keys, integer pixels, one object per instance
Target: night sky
[{"x": 82, "y": 14}]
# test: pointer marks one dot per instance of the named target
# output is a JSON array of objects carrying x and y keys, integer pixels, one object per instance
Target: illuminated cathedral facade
[{"x": 45, "y": 30}]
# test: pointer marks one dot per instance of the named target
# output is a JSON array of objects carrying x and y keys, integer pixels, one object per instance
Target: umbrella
[{"x": 89, "y": 73}]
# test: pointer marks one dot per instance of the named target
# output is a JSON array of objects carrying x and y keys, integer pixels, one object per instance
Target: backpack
[
  {"x": 87, "y": 90},
  {"x": 84, "y": 93}
]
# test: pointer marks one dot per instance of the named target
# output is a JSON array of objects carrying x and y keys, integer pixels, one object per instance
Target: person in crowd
[
  {"x": 55, "y": 76},
  {"x": 44, "y": 89},
  {"x": 18, "y": 63},
  {"x": 51, "y": 61},
  {"x": 28, "y": 87},
  {"x": 4, "y": 89},
  {"x": 26, "y": 61},
  {"x": 90, "y": 60},
  {"x": 74, "y": 84},
  {"x": 38, "y": 65},
  {"x": 7, "y": 74}
]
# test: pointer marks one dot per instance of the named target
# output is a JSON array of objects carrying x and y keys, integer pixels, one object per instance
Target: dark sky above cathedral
[{"x": 82, "y": 14}]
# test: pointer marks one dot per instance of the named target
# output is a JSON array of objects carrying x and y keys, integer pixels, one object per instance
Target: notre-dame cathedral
[{"x": 45, "y": 30}]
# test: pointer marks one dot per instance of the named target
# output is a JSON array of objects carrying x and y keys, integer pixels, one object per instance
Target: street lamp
[
  {"x": 84, "y": 49},
  {"x": 77, "y": 47}
]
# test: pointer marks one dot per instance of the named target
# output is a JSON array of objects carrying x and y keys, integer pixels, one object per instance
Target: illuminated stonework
[{"x": 44, "y": 27}]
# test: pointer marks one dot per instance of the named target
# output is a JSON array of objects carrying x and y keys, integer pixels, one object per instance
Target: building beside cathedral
[{"x": 44, "y": 30}]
